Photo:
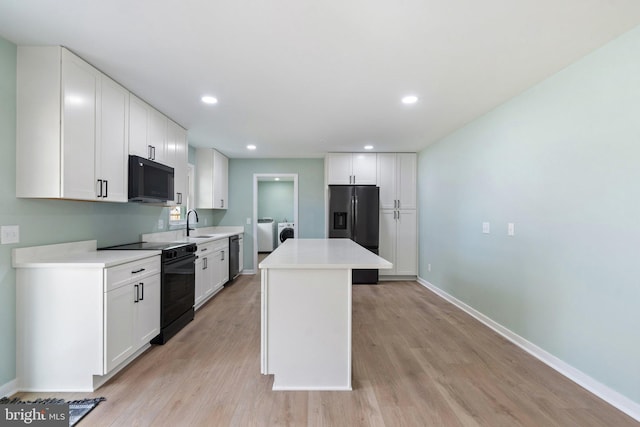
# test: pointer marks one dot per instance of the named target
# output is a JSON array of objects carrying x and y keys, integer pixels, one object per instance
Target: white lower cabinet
[
  {"x": 88, "y": 321},
  {"x": 204, "y": 274},
  {"x": 221, "y": 259},
  {"x": 132, "y": 318},
  {"x": 399, "y": 241},
  {"x": 212, "y": 269}
]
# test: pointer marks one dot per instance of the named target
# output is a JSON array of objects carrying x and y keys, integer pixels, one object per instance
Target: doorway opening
[{"x": 275, "y": 197}]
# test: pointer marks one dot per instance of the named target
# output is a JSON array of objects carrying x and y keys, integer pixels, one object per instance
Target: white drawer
[
  {"x": 120, "y": 275},
  {"x": 205, "y": 248},
  {"x": 220, "y": 244}
]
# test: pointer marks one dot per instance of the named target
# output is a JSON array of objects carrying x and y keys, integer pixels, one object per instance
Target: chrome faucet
[{"x": 188, "y": 229}]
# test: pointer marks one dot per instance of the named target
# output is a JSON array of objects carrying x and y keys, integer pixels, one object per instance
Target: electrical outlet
[
  {"x": 511, "y": 229},
  {"x": 161, "y": 224},
  {"x": 486, "y": 227},
  {"x": 9, "y": 234},
  {"x": 429, "y": 267},
  {"x": 248, "y": 220}
]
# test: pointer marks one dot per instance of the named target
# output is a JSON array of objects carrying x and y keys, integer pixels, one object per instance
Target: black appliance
[
  {"x": 177, "y": 284},
  {"x": 234, "y": 257},
  {"x": 354, "y": 214},
  {"x": 149, "y": 181}
]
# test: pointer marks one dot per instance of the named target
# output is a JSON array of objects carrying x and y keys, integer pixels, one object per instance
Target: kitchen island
[{"x": 306, "y": 312}]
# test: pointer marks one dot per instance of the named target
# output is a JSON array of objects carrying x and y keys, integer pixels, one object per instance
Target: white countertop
[
  {"x": 178, "y": 236},
  {"x": 323, "y": 254},
  {"x": 75, "y": 254}
]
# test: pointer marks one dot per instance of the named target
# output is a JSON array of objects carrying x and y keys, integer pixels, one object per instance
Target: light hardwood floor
[{"x": 417, "y": 361}]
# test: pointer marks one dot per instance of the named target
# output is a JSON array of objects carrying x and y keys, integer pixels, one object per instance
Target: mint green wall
[
  {"x": 49, "y": 221},
  {"x": 275, "y": 200},
  {"x": 310, "y": 196},
  {"x": 561, "y": 161}
]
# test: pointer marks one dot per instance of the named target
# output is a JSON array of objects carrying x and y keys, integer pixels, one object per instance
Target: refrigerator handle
[
  {"x": 355, "y": 216},
  {"x": 353, "y": 213}
]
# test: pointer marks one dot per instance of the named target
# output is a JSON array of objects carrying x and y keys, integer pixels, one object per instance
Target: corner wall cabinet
[
  {"x": 212, "y": 179},
  {"x": 351, "y": 168},
  {"x": 72, "y": 128}
]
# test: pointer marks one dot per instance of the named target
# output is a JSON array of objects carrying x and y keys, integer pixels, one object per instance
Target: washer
[
  {"x": 286, "y": 230},
  {"x": 266, "y": 234}
]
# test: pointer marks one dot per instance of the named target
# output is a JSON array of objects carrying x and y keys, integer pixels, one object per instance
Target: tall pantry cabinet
[{"x": 397, "y": 178}]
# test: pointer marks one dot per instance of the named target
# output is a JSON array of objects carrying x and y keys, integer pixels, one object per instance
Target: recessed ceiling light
[
  {"x": 251, "y": 147},
  {"x": 209, "y": 99},
  {"x": 410, "y": 99},
  {"x": 368, "y": 147}
]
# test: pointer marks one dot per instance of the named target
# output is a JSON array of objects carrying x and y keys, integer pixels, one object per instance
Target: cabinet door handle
[
  {"x": 398, "y": 203},
  {"x": 137, "y": 291},
  {"x": 100, "y": 187},
  {"x": 153, "y": 149},
  {"x": 222, "y": 259},
  {"x": 204, "y": 263},
  {"x": 179, "y": 198},
  {"x": 141, "y": 288},
  {"x": 138, "y": 271},
  {"x": 222, "y": 203},
  {"x": 106, "y": 188},
  {"x": 149, "y": 152}
]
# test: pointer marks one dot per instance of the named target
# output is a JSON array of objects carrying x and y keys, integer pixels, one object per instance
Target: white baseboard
[
  {"x": 9, "y": 389},
  {"x": 607, "y": 394}
]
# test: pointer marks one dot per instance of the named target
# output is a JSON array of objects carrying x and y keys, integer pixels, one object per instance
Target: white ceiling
[{"x": 299, "y": 78}]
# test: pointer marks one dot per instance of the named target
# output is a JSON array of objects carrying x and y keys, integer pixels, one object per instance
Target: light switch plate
[
  {"x": 511, "y": 229},
  {"x": 248, "y": 220},
  {"x": 161, "y": 224},
  {"x": 486, "y": 227},
  {"x": 9, "y": 234}
]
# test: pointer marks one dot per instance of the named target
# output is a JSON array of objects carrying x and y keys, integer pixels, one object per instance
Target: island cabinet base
[{"x": 306, "y": 328}]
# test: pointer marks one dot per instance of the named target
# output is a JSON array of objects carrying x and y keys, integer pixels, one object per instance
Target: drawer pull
[{"x": 138, "y": 271}]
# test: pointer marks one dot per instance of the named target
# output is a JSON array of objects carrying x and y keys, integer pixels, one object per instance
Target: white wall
[{"x": 561, "y": 161}]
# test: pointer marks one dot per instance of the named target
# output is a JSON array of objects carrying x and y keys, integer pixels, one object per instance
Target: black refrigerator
[{"x": 354, "y": 214}]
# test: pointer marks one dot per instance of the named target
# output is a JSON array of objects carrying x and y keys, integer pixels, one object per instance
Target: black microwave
[{"x": 149, "y": 181}]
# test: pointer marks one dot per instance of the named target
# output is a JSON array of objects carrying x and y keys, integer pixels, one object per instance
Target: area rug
[{"x": 77, "y": 408}]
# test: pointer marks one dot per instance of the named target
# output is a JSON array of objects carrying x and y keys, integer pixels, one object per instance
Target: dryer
[
  {"x": 286, "y": 230},
  {"x": 266, "y": 235}
]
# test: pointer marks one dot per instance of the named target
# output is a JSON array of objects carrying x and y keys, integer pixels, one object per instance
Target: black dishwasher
[{"x": 234, "y": 257}]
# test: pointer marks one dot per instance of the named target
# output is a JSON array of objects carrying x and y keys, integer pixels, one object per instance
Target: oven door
[{"x": 178, "y": 288}]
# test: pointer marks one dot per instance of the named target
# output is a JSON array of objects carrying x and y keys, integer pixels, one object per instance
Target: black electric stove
[{"x": 177, "y": 283}]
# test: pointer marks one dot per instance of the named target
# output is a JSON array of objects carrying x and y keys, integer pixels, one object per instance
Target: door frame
[{"x": 296, "y": 226}]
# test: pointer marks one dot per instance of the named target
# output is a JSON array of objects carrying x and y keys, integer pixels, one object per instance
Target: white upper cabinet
[
  {"x": 71, "y": 128},
  {"x": 147, "y": 131},
  {"x": 177, "y": 157},
  {"x": 351, "y": 168},
  {"x": 112, "y": 143},
  {"x": 80, "y": 86},
  {"x": 397, "y": 177},
  {"x": 220, "y": 180},
  {"x": 212, "y": 181}
]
